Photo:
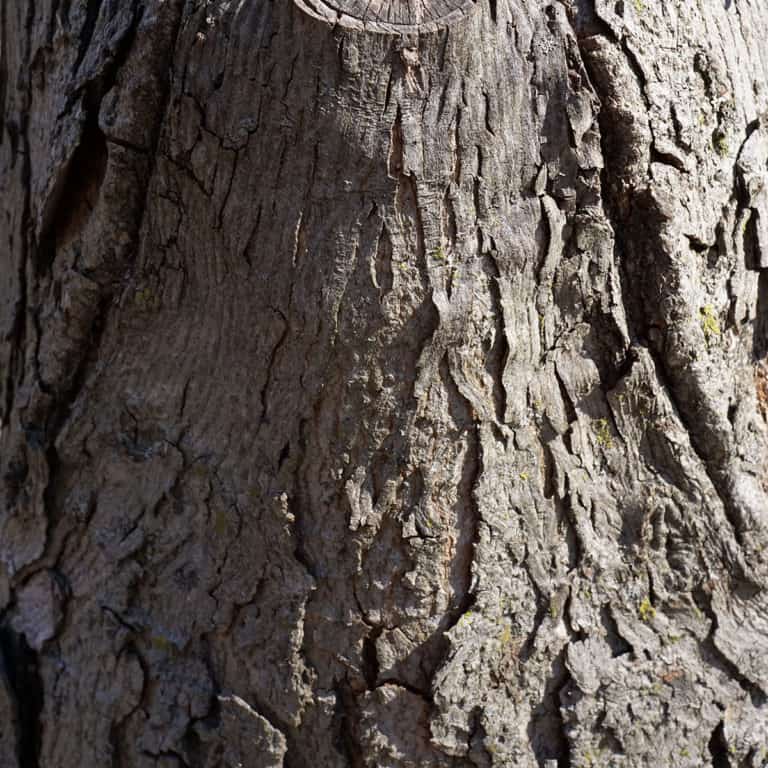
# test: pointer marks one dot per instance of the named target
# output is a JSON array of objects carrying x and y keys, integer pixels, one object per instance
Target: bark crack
[{"x": 22, "y": 669}]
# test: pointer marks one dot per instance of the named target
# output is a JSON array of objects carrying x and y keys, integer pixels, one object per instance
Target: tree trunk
[{"x": 383, "y": 383}]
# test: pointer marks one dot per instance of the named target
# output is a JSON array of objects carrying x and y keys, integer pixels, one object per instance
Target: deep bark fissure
[
  {"x": 718, "y": 748},
  {"x": 347, "y": 713},
  {"x": 71, "y": 208},
  {"x": 498, "y": 354},
  {"x": 25, "y": 682},
  {"x": 546, "y": 728},
  {"x": 92, "y": 10},
  {"x": 370, "y": 657}
]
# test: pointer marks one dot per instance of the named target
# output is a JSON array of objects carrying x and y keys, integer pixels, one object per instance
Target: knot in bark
[{"x": 389, "y": 16}]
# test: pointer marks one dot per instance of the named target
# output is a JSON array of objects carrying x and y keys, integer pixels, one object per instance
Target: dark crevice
[
  {"x": 72, "y": 204},
  {"x": 760, "y": 343},
  {"x": 285, "y": 452},
  {"x": 346, "y": 715},
  {"x": 22, "y": 668},
  {"x": 296, "y": 507},
  {"x": 567, "y": 517},
  {"x": 70, "y": 207},
  {"x": 477, "y": 751},
  {"x": 92, "y": 91},
  {"x": 546, "y": 728},
  {"x": 498, "y": 354},
  {"x": 93, "y": 8},
  {"x": 752, "y": 254},
  {"x": 610, "y": 378},
  {"x": 371, "y": 658},
  {"x": 548, "y": 465},
  {"x": 666, "y": 158},
  {"x": 718, "y": 748},
  {"x": 696, "y": 245}
]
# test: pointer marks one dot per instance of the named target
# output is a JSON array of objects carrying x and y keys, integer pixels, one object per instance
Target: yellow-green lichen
[
  {"x": 646, "y": 611},
  {"x": 709, "y": 323},
  {"x": 603, "y": 433},
  {"x": 143, "y": 298}
]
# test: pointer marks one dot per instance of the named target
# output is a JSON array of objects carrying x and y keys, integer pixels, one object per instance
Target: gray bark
[{"x": 383, "y": 383}]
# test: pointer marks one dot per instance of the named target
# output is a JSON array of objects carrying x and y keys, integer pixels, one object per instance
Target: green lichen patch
[
  {"x": 709, "y": 323},
  {"x": 603, "y": 433},
  {"x": 646, "y": 611}
]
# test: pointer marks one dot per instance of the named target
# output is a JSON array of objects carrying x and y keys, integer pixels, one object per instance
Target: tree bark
[{"x": 383, "y": 383}]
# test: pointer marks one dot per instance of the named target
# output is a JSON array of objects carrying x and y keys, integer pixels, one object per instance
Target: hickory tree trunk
[{"x": 382, "y": 383}]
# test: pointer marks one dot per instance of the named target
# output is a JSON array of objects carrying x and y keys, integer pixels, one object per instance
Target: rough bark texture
[{"x": 383, "y": 383}]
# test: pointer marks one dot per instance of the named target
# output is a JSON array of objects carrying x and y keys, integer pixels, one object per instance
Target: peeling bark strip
[{"x": 383, "y": 384}]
